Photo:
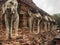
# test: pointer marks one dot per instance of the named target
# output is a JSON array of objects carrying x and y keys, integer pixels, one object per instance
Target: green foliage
[{"x": 57, "y": 18}]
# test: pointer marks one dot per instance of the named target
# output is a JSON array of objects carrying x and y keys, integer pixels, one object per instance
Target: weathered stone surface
[{"x": 25, "y": 37}]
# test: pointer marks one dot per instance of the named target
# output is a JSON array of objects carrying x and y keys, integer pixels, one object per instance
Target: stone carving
[
  {"x": 34, "y": 16},
  {"x": 11, "y": 16}
]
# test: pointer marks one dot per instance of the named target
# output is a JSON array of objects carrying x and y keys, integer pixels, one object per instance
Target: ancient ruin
[{"x": 36, "y": 27}]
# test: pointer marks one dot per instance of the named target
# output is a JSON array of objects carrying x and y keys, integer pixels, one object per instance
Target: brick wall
[{"x": 44, "y": 37}]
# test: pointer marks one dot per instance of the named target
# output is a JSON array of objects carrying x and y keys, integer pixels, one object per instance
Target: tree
[{"x": 57, "y": 18}]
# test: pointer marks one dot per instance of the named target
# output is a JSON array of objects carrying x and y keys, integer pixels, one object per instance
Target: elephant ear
[
  {"x": 46, "y": 18},
  {"x": 30, "y": 13},
  {"x": 38, "y": 15}
]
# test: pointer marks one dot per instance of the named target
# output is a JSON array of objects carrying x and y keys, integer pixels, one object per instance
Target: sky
[{"x": 50, "y": 6}]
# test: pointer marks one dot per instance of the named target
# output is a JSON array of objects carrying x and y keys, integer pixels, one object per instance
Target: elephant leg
[
  {"x": 34, "y": 25},
  {"x": 38, "y": 28},
  {"x": 11, "y": 28},
  {"x": 30, "y": 24},
  {"x": 7, "y": 25},
  {"x": 16, "y": 25}
]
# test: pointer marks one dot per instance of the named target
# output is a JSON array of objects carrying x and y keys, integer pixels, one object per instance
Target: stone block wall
[{"x": 25, "y": 37}]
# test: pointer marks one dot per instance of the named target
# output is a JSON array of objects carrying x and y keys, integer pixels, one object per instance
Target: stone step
[{"x": 11, "y": 43}]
